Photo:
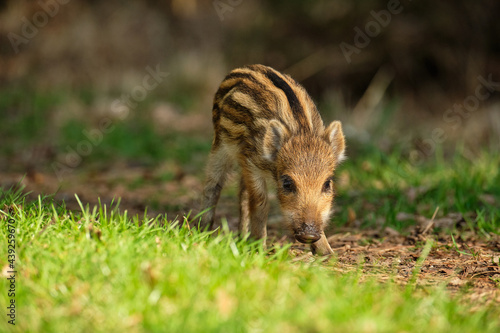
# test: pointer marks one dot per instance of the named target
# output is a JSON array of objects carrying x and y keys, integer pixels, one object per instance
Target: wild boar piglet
[{"x": 267, "y": 123}]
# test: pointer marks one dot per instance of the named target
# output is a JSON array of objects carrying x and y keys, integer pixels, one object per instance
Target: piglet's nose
[
  {"x": 307, "y": 233},
  {"x": 307, "y": 238}
]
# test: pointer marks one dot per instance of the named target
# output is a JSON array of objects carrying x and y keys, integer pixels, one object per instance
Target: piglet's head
[{"x": 305, "y": 164}]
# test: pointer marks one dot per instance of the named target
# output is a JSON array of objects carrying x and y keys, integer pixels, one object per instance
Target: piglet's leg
[
  {"x": 321, "y": 247},
  {"x": 244, "y": 210},
  {"x": 220, "y": 163},
  {"x": 258, "y": 205}
]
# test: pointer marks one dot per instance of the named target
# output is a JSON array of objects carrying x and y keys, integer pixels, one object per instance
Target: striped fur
[{"x": 266, "y": 121}]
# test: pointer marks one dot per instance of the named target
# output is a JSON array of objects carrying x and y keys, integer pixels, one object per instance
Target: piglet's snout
[{"x": 307, "y": 233}]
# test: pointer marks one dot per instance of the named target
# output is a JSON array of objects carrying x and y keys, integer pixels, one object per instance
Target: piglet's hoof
[{"x": 321, "y": 247}]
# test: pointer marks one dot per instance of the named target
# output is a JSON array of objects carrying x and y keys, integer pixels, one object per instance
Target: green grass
[
  {"x": 137, "y": 141},
  {"x": 379, "y": 184},
  {"x": 24, "y": 118},
  {"x": 30, "y": 123},
  {"x": 100, "y": 270}
]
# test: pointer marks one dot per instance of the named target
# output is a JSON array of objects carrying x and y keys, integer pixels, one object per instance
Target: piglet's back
[{"x": 251, "y": 96}]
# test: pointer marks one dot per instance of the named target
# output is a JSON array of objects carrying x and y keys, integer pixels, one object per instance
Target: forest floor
[{"x": 464, "y": 245}]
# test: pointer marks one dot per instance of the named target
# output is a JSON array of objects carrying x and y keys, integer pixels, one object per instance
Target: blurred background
[{"x": 113, "y": 98}]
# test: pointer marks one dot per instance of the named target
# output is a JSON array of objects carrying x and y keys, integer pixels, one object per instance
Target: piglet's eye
[
  {"x": 287, "y": 184},
  {"x": 327, "y": 186}
]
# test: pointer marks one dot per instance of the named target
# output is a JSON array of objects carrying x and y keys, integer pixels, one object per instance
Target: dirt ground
[
  {"x": 471, "y": 264},
  {"x": 467, "y": 263}
]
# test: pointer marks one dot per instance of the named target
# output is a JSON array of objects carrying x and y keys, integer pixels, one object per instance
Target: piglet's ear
[
  {"x": 335, "y": 136},
  {"x": 273, "y": 139}
]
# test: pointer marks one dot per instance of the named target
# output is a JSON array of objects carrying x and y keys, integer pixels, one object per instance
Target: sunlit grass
[
  {"x": 100, "y": 270},
  {"x": 379, "y": 186}
]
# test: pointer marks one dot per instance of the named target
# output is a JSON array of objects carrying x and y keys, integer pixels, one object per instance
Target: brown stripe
[
  {"x": 245, "y": 78},
  {"x": 236, "y": 112},
  {"x": 295, "y": 105}
]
